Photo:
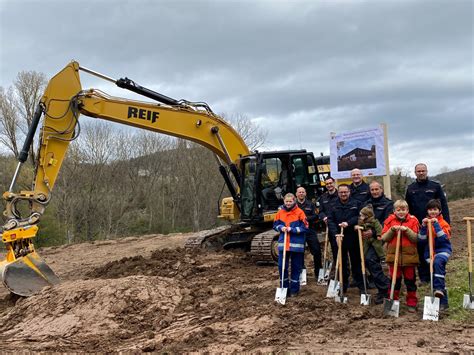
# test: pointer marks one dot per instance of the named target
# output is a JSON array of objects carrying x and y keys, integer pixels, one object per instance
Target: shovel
[
  {"x": 431, "y": 304},
  {"x": 303, "y": 280},
  {"x": 280, "y": 295},
  {"x": 391, "y": 307},
  {"x": 468, "y": 301},
  {"x": 323, "y": 275},
  {"x": 340, "y": 297},
  {"x": 365, "y": 298},
  {"x": 334, "y": 285}
]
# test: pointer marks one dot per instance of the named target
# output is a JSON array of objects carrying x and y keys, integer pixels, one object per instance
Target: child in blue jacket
[{"x": 441, "y": 233}]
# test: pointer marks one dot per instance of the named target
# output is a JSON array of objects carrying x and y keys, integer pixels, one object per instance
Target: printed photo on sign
[{"x": 357, "y": 153}]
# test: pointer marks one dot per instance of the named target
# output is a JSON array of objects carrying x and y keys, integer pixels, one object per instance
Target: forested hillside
[
  {"x": 458, "y": 184},
  {"x": 114, "y": 185},
  {"x": 175, "y": 187}
]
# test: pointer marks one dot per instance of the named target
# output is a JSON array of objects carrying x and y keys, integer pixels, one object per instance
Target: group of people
[{"x": 349, "y": 209}]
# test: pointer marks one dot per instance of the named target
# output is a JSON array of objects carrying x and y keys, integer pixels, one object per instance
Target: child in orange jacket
[{"x": 402, "y": 221}]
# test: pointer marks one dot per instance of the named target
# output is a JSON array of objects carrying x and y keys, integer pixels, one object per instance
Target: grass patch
[{"x": 457, "y": 285}]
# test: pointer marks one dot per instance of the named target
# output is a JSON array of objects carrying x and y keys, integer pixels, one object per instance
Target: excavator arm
[{"x": 23, "y": 271}]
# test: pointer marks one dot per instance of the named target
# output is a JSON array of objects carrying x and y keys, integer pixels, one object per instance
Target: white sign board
[{"x": 363, "y": 150}]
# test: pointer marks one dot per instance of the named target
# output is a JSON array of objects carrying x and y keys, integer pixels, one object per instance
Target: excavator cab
[{"x": 267, "y": 177}]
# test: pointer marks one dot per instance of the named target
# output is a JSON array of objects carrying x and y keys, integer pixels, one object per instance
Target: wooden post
[{"x": 387, "y": 188}]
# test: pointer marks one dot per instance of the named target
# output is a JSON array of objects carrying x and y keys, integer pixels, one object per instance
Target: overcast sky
[{"x": 301, "y": 69}]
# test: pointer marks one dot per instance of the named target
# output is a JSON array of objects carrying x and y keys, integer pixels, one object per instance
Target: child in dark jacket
[
  {"x": 402, "y": 221},
  {"x": 291, "y": 219},
  {"x": 367, "y": 221},
  {"x": 441, "y": 233}
]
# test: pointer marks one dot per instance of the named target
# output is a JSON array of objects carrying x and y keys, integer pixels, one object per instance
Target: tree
[
  {"x": 401, "y": 179},
  {"x": 17, "y": 108},
  {"x": 8, "y": 120},
  {"x": 253, "y": 135}
]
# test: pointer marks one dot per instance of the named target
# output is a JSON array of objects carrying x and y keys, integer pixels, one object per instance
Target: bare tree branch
[
  {"x": 8, "y": 120},
  {"x": 29, "y": 87},
  {"x": 252, "y": 134}
]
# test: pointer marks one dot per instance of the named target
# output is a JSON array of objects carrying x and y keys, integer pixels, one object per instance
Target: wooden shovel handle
[
  {"x": 395, "y": 264},
  {"x": 339, "y": 251},
  {"x": 325, "y": 246},
  {"x": 339, "y": 260},
  {"x": 469, "y": 241},
  {"x": 361, "y": 248},
  {"x": 430, "y": 243}
]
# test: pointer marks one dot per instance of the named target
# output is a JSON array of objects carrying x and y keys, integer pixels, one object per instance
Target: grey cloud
[{"x": 322, "y": 66}]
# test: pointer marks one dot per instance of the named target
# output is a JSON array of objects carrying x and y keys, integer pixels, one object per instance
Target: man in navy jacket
[
  {"x": 345, "y": 213},
  {"x": 359, "y": 188},
  {"x": 382, "y": 207},
  {"x": 417, "y": 196},
  {"x": 326, "y": 201}
]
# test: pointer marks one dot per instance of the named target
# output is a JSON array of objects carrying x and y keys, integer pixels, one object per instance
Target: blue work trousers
[
  {"x": 372, "y": 262},
  {"x": 315, "y": 249},
  {"x": 296, "y": 259},
  {"x": 439, "y": 275}
]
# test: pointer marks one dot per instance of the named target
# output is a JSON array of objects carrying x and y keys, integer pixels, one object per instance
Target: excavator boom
[
  {"x": 23, "y": 271},
  {"x": 256, "y": 181}
]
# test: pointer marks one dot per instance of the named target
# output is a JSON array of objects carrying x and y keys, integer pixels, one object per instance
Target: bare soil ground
[{"x": 148, "y": 294}]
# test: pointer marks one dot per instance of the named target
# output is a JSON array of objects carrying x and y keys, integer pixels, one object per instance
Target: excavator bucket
[{"x": 27, "y": 275}]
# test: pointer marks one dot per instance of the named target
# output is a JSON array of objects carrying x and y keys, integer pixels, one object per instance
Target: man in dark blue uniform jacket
[
  {"x": 359, "y": 188},
  {"x": 326, "y": 201},
  {"x": 418, "y": 194},
  {"x": 382, "y": 207},
  {"x": 312, "y": 241},
  {"x": 345, "y": 213}
]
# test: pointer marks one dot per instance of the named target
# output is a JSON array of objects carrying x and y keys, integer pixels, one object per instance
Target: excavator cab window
[
  {"x": 271, "y": 190},
  {"x": 248, "y": 187},
  {"x": 299, "y": 171},
  {"x": 305, "y": 173}
]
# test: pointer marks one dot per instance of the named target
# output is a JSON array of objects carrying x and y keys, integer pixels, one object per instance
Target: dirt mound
[
  {"x": 178, "y": 263},
  {"x": 93, "y": 311}
]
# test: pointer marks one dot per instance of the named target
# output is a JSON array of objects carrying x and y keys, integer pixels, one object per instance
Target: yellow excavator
[{"x": 256, "y": 180}]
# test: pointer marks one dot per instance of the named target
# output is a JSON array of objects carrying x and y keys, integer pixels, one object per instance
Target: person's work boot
[
  {"x": 439, "y": 294},
  {"x": 422, "y": 283},
  {"x": 353, "y": 283},
  {"x": 412, "y": 309},
  {"x": 380, "y": 297},
  {"x": 443, "y": 307}
]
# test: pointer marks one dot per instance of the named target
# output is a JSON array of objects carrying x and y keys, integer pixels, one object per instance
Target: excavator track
[
  {"x": 208, "y": 238},
  {"x": 264, "y": 247}
]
